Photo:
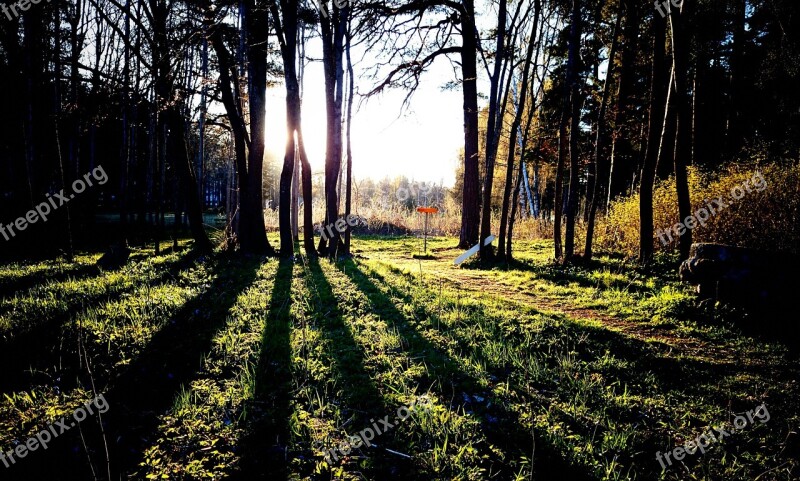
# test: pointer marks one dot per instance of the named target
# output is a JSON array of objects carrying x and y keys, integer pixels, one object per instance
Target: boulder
[
  {"x": 115, "y": 257},
  {"x": 739, "y": 275}
]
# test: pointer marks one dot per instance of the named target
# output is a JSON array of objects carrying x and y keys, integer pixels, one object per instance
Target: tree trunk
[
  {"x": 733, "y": 132},
  {"x": 333, "y": 32},
  {"x": 602, "y": 167},
  {"x": 188, "y": 183},
  {"x": 572, "y": 199},
  {"x": 621, "y": 166},
  {"x": 201, "y": 148},
  {"x": 470, "y": 203},
  {"x": 658, "y": 101},
  {"x": 494, "y": 126},
  {"x": 509, "y": 244},
  {"x": 350, "y": 93},
  {"x": 179, "y": 155},
  {"x": 253, "y": 233},
  {"x": 249, "y": 221},
  {"x": 286, "y": 27},
  {"x": 515, "y": 126},
  {"x": 558, "y": 202},
  {"x": 683, "y": 143}
]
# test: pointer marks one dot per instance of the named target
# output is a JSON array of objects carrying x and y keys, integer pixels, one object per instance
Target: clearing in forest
[{"x": 254, "y": 368}]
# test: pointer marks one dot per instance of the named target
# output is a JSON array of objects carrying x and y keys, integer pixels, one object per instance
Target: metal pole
[{"x": 426, "y": 233}]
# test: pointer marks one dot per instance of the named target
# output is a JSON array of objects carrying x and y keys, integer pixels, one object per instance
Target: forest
[{"x": 399, "y": 239}]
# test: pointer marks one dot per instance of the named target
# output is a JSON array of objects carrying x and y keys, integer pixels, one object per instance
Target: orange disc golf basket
[{"x": 427, "y": 211}]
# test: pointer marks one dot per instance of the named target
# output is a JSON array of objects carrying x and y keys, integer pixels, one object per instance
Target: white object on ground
[{"x": 473, "y": 250}]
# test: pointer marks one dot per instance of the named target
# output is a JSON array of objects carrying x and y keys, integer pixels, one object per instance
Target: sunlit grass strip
[
  {"x": 113, "y": 335},
  {"x": 198, "y": 438},
  {"x": 52, "y": 299},
  {"x": 489, "y": 336},
  {"x": 9, "y": 273},
  {"x": 585, "y": 394},
  {"x": 442, "y": 440}
]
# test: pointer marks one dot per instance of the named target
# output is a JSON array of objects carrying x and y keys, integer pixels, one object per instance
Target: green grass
[{"x": 252, "y": 368}]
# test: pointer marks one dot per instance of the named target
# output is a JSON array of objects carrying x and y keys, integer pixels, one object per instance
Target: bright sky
[{"x": 422, "y": 144}]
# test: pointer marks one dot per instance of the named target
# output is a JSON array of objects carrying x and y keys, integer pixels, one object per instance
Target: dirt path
[{"x": 669, "y": 342}]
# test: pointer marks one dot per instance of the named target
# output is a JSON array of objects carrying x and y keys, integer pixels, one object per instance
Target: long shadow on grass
[
  {"x": 349, "y": 357},
  {"x": 149, "y": 385},
  {"x": 360, "y": 396},
  {"x": 172, "y": 359},
  {"x": 28, "y": 281},
  {"x": 500, "y": 425},
  {"x": 263, "y": 446},
  {"x": 29, "y": 356},
  {"x": 679, "y": 376},
  {"x": 144, "y": 390},
  {"x": 565, "y": 275}
]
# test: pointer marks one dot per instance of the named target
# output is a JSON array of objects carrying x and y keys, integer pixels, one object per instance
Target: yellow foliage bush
[{"x": 768, "y": 220}]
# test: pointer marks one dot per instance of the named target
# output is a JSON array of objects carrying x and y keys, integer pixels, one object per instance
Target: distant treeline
[{"x": 568, "y": 106}]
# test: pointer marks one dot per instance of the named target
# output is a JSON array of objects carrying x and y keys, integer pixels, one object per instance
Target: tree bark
[
  {"x": 621, "y": 166},
  {"x": 249, "y": 221},
  {"x": 470, "y": 203},
  {"x": 493, "y": 127},
  {"x": 575, "y": 98},
  {"x": 333, "y": 32},
  {"x": 733, "y": 132},
  {"x": 350, "y": 92},
  {"x": 658, "y": 101},
  {"x": 515, "y": 126},
  {"x": 188, "y": 183},
  {"x": 286, "y": 26},
  {"x": 253, "y": 233},
  {"x": 602, "y": 167},
  {"x": 683, "y": 143},
  {"x": 179, "y": 155}
]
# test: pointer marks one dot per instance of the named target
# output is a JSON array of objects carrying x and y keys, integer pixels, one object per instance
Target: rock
[
  {"x": 741, "y": 276},
  {"x": 115, "y": 257}
]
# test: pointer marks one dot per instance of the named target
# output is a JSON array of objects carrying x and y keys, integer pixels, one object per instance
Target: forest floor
[{"x": 223, "y": 367}]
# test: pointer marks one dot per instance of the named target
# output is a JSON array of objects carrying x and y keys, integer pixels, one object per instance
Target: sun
[{"x": 420, "y": 144}]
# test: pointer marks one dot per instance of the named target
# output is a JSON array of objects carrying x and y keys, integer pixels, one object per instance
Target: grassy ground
[{"x": 249, "y": 368}]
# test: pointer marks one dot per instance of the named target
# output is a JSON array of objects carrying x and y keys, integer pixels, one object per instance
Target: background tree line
[{"x": 569, "y": 106}]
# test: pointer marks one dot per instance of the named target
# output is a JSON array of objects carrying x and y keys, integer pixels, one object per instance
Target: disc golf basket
[{"x": 427, "y": 211}]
